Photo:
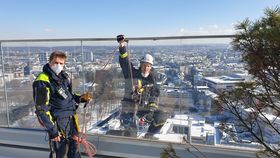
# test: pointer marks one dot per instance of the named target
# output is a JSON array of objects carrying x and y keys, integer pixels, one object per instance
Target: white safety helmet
[{"x": 147, "y": 58}]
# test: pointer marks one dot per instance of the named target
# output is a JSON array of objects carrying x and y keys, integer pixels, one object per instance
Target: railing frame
[{"x": 81, "y": 40}]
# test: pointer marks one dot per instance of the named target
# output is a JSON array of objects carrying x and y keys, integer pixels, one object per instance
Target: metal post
[
  {"x": 215, "y": 136},
  {"x": 83, "y": 70},
  {"x": 5, "y": 86},
  {"x": 83, "y": 62},
  {"x": 190, "y": 130}
]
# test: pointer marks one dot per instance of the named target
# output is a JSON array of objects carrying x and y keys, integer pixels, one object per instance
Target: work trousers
[
  {"x": 155, "y": 118},
  {"x": 67, "y": 147}
]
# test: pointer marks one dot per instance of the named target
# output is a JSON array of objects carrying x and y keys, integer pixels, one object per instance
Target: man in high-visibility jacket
[
  {"x": 56, "y": 106},
  {"x": 141, "y": 89}
]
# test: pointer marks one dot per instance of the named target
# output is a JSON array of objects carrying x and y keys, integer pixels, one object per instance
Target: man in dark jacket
[
  {"x": 56, "y": 106},
  {"x": 141, "y": 92}
]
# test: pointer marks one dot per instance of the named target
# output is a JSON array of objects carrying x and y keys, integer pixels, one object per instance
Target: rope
[
  {"x": 112, "y": 57},
  {"x": 130, "y": 68},
  {"x": 132, "y": 85},
  {"x": 89, "y": 148},
  {"x": 105, "y": 65}
]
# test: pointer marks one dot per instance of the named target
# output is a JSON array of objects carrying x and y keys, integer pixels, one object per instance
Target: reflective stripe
[
  {"x": 139, "y": 83},
  {"x": 48, "y": 96},
  {"x": 76, "y": 121},
  {"x": 153, "y": 105},
  {"x": 145, "y": 119},
  {"x": 124, "y": 55},
  {"x": 140, "y": 89},
  {"x": 158, "y": 124},
  {"x": 43, "y": 77},
  {"x": 50, "y": 116}
]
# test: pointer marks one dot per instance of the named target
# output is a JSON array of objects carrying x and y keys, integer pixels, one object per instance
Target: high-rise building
[{"x": 43, "y": 57}]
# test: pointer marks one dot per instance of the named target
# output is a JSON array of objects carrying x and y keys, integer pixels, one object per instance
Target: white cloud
[
  {"x": 182, "y": 30},
  {"x": 49, "y": 30},
  {"x": 214, "y": 26},
  {"x": 208, "y": 30}
]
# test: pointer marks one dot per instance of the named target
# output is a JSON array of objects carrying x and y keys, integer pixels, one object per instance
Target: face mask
[
  {"x": 57, "y": 68},
  {"x": 145, "y": 75}
]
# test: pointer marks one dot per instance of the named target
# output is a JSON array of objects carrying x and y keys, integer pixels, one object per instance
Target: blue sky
[{"x": 32, "y": 19}]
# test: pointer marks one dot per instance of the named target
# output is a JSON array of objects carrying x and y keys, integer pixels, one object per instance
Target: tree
[{"x": 256, "y": 104}]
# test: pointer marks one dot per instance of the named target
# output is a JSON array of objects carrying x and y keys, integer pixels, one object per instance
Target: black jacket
[
  {"x": 60, "y": 101},
  {"x": 150, "y": 80}
]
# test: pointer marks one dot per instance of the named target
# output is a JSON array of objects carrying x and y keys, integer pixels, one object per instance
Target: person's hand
[
  {"x": 137, "y": 89},
  {"x": 120, "y": 38},
  {"x": 56, "y": 139},
  {"x": 86, "y": 97}
]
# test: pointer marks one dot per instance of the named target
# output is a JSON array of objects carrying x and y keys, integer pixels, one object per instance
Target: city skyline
[{"x": 90, "y": 19}]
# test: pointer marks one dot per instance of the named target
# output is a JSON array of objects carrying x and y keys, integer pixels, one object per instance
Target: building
[
  {"x": 43, "y": 57},
  {"x": 225, "y": 83}
]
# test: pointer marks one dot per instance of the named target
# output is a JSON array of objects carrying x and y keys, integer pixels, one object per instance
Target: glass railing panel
[
  {"x": 3, "y": 94},
  {"x": 184, "y": 68},
  {"x": 103, "y": 78},
  {"x": 185, "y": 100},
  {"x": 176, "y": 94},
  {"x": 18, "y": 85},
  {"x": 23, "y": 61}
]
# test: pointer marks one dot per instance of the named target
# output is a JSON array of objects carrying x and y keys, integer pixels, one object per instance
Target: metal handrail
[{"x": 112, "y": 39}]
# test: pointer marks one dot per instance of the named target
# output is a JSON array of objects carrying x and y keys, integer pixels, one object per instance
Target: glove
[
  {"x": 86, "y": 97},
  {"x": 121, "y": 40},
  {"x": 152, "y": 106},
  {"x": 138, "y": 89}
]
